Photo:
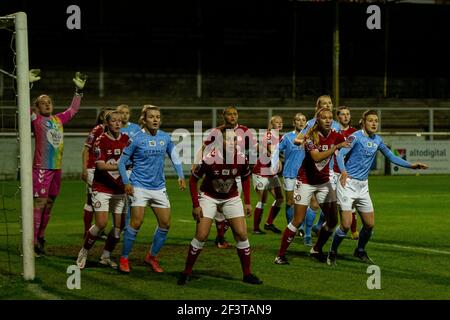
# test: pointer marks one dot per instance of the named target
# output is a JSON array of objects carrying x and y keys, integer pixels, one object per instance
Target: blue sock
[
  {"x": 364, "y": 236},
  {"x": 320, "y": 221},
  {"x": 129, "y": 236},
  {"x": 309, "y": 221},
  {"x": 128, "y": 216},
  {"x": 289, "y": 213},
  {"x": 159, "y": 238},
  {"x": 339, "y": 235}
]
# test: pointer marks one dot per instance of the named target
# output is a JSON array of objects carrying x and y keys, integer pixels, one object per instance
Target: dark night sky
[{"x": 235, "y": 36}]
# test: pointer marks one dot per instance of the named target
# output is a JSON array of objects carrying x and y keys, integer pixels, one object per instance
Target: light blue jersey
[
  {"x": 131, "y": 129},
  {"x": 147, "y": 153},
  {"x": 293, "y": 155},
  {"x": 361, "y": 154}
]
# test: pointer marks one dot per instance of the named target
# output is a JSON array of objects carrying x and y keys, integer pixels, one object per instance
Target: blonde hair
[
  {"x": 145, "y": 108},
  {"x": 108, "y": 115},
  {"x": 365, "y": 115},
  {"x": 313, "y": 133},
  {"x": 270, "y": 126}
]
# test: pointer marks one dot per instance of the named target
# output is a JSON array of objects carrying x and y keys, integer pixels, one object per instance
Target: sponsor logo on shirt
[
  {"x": 116, "y": 152},
  {"x": 225, "y": 172},
  {"x": 152, "y": 143}
]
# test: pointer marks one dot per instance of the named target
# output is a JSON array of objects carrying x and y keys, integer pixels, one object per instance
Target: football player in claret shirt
[
  {"x": 108, "y": 193},
  {"x": 48, "y": 152},
  {"x": 246, "y": 143},
  {"x": 314, "y": 179},
  {"x": 219, "y": 170},
  {"x": 88, "y": 167},
  {"x": 265, "y": 178},
  {"x": 353, "y": 186},
  {"x": 146, "y": 186}
]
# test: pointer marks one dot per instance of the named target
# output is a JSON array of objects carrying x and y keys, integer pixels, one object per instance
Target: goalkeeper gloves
[
  {"x": 79, "y": 80},
  {"x": 34, "y": 75}
]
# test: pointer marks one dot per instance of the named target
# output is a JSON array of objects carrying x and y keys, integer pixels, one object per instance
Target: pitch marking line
[
  {"x": 41, "y": 293},
  {"x": 411, "y": 248}
]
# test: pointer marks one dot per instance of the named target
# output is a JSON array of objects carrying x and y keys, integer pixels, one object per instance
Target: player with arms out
[
  {"x": 314, "y": 179},
  {"x": 219, "y": 190},
  {"x": 108, "y": 194},
  {"x": 147, "y": 184},
  {"x": 353, "y": 187},
  {"x": 49, "y": 144}
]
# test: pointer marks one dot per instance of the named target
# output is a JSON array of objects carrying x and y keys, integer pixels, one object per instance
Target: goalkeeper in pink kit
[{"x": 49, "y": 143}]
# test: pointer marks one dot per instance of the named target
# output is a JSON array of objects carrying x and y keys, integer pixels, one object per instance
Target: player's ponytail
[{"x": 313, "y": 133}]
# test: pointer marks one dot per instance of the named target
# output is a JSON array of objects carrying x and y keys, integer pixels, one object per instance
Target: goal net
[{"x": 16, "y": 206}]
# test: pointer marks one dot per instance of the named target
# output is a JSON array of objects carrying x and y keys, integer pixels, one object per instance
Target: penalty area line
[{"x": 411, "y": 248}]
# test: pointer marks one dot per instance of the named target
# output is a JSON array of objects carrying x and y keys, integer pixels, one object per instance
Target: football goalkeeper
[{"x": 49, "y": 143}]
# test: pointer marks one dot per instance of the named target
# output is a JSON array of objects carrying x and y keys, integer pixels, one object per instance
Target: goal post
[
  {"x": 19, "y": 21},
  {"x": 23, "y": 99}
]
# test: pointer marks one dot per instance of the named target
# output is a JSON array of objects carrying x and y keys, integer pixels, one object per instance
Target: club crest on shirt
[
  {"x": 325, "y": 148},
  {"x": 369, "y": 144},
  {"x": 161, "y": 143},
  {"x": 54, "y": 137},
  {"x": 234, "y": 171},
  {"x": 152, "y": 143}
]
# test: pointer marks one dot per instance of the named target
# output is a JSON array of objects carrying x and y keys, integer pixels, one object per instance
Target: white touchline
[{"x": 410, "y": 248}]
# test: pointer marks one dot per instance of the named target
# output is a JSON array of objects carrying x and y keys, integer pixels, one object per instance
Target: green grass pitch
[{"x": 410, "y": 244}]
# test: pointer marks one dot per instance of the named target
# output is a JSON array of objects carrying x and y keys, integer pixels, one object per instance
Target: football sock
[
  {"x": 243, "y": 250},
  {"x": 44, "y": 221},
  {"x": 274, "y": 210},
  {"x": 288, "y": 237},
  {"x": 364, "y": 236},
  {"x": 91, "y": 237},
  {"x": 129, "y": 236},
  {"x": 257, "y": 216},
  {"x": 194, "y": 250},
  {"x": 339, "y": 235},
  {"x": 159, "y": 238}
]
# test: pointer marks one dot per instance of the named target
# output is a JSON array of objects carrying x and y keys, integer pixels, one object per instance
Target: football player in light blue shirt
[
  {"x": 147, "y": 184},
  {"x": 353, "y": 186},
  {"x": 293, "y": 158}
]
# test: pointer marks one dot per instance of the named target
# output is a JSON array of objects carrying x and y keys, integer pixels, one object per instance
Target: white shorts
[
  {"x": 149, "y": 198},
  {"x": 231, "y": 208},
  {"x": 265, "y": 183},
  {"x": 334, "y": 179},
  {"x": 303, "y": 192},
  {"x": 289, "y": 184},
  {"x": 114, "y": 203},
  {"x": 90, "y": 179},
  {"x": 239, "y": 184},
  {"x": 355, "y": 194}
]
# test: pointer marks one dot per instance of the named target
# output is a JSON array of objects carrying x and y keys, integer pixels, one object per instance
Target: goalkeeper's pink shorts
[{"x": 46, "y": 182}]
